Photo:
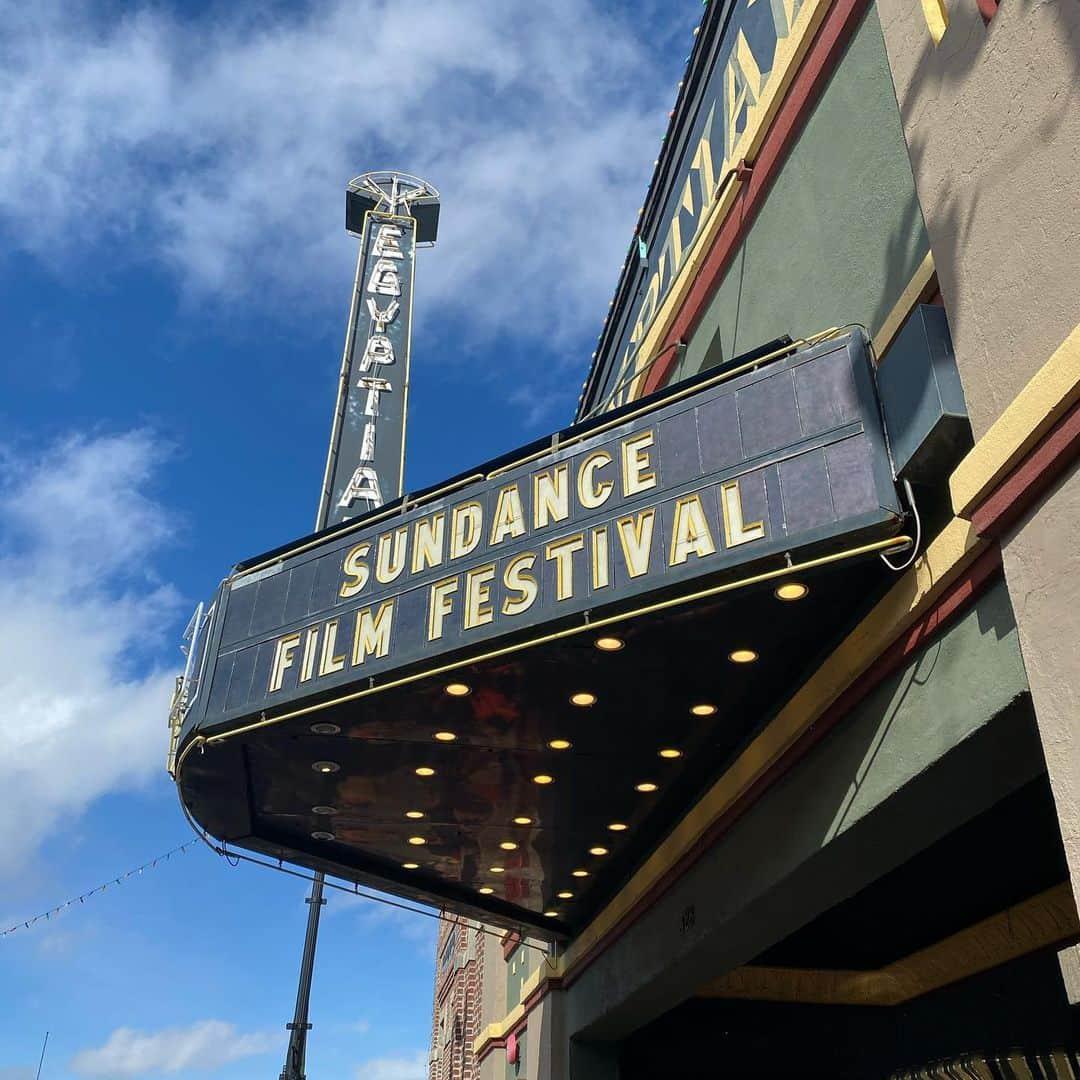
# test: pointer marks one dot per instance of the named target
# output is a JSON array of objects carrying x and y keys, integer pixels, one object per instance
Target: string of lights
[
  {"x": 234, "y": 858},
  {"x": 136, "y": 871}
]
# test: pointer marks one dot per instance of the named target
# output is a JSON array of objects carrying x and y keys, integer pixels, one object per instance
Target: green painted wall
[{"x": 840, "y": 234}]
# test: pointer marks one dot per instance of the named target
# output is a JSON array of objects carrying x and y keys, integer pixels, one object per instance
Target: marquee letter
[
  {"x": 742, "y": 87},
  {"x": 357, "y": 569},
  {"x": 601, "y": 568},
  {"x": 465, "y": 522},
  {"x": 440, "y": 604},
  {"x": 372, "y": 636},
  {"x": 690, "y": 532},
  {"x": 386, "y": 242},
  {"x": 382, "y": 318},
  {"x": 374, "y": 388},
  {"x": 591, "y": 493},
  {"x": 428, "y": 541},
  {"x": 636, "y": 544},
  {"x": 562, "y": 551},
  {"x": 307, "y": 664},
  {"x": 283, "y": 659},
  {"x": 478, "y": 609},
  {"x": 635, "y": 462},
  {"x": 388, "y": 567},
  {"x": 516, "y": 577},
  {"x": 551, "y": 496},
  {"x": 378, "y": 350},
  {"x": 384, "y": 279},
  {"x": 509, "y": 516},
  {"x": 735, "y": 532},
  {"x": 363, "y": 485},
  {"x": 328, "y": 662}
]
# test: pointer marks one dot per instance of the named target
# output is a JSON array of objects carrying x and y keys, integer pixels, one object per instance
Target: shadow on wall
[{"x": 968, "y": 42}]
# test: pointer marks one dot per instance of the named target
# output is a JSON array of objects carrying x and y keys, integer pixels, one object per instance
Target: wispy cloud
[
  {"x": 201, "y": 1047},
  {"x": 219, "y": 145},
  {"x": 410, "y": 1066},
  {"x": 84, "y": 711}
]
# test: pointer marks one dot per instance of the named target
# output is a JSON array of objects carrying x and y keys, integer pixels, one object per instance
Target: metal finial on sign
[{"x": 393, "y": 191}]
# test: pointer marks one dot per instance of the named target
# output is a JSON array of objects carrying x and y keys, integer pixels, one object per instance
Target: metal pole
[
  {"x": 41, "y": 1060},
  {"x": 298, "y": 1029}
]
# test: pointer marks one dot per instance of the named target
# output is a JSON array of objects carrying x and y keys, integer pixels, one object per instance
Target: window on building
[{"x": 449, "y": 950}]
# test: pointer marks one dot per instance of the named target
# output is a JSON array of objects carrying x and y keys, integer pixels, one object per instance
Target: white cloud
[
  {"x": 412, "y": 1066},
  {"x": 84, "y": 710},
  {"x": 220, "y": 145},
  {"x": 203, "y": 1046}
]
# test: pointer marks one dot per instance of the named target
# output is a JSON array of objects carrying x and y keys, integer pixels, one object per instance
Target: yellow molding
[
  {"x": 1053, "y": 390},
  {"x": 550, "y": 971},
  {"x": 917, "y": 589},
  {"x": 1040, "y": 921},
  {"x": 789, "y": 55},
  {"x": 914, "y": 292}
]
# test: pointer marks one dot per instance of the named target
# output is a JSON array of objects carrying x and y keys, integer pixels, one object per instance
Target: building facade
[
  {"x": 733, "y": 727},
  {"x": 882, "y": 881}
]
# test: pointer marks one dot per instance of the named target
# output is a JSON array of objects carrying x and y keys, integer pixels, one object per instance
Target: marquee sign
[
  {"x": 646, "y": 507},
  {"x": 368, "y": 445}
]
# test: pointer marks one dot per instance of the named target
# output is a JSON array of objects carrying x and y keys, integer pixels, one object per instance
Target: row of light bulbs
[{"x": 788, "y": 591}]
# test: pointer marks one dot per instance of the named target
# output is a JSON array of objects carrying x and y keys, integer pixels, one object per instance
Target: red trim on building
[
  {"x": 509, "y": 943},
  {"x": 1031, "y": 478},
  {"x": 518, "y": 1029},
  {"x": 814, "y": 73}
]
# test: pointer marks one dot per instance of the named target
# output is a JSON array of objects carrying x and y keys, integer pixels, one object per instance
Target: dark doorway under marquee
[{"x": 1011, "y": 1020}]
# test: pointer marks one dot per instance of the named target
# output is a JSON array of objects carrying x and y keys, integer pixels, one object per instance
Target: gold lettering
[
  {"x": 440, "y": 605},
  {"x": 703, "y": 163},
  {"x": 357, "y": 569},
  {"x": 562, "y": 551},
  {"x": 742, "y": 88},
  {"x": 283, "y": 659},
  {"x": 388, "y": 568},
  {"x": 478, "y": 609},
  {"x": 516, "y": 577},
  {"x": 635, "y": 463},
  {"x": 427, "y": 546},
  {"x": 509, "y": 516},
  {"x": 601, "y": 568},
  {"x": 591, "y": 493},
  {"x": 735, "y": 531},
  {"x": 785, "y": 12},
  {"x": 372, "y": 635},
  {"x": 328, "y": 662},
  {"x": 465, "y": 522},
  {"x": 690, "y": 533},
  {"x": 307, "y": 664},
  {"x": 635, "y": 537},
  {"x": 551, "y": 496}
]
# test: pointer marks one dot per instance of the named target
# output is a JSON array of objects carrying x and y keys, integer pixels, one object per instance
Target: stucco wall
[
  {"x": 1042, "y": 561},
  {"x": 992, "y": 121},
  {"x": 840, "y": 234}
]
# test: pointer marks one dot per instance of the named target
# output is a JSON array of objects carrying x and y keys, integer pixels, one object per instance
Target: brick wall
[{"x": 459, "y": 959}]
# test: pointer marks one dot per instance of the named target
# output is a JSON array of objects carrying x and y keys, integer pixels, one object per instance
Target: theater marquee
[{"x": 649, "y": 507}]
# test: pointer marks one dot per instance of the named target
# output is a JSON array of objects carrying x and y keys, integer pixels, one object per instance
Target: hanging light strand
[{"x": 151, "y": 864}]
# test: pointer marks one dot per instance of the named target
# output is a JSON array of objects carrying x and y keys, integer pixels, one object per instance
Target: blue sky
[{"x": 174, "y": 280}]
